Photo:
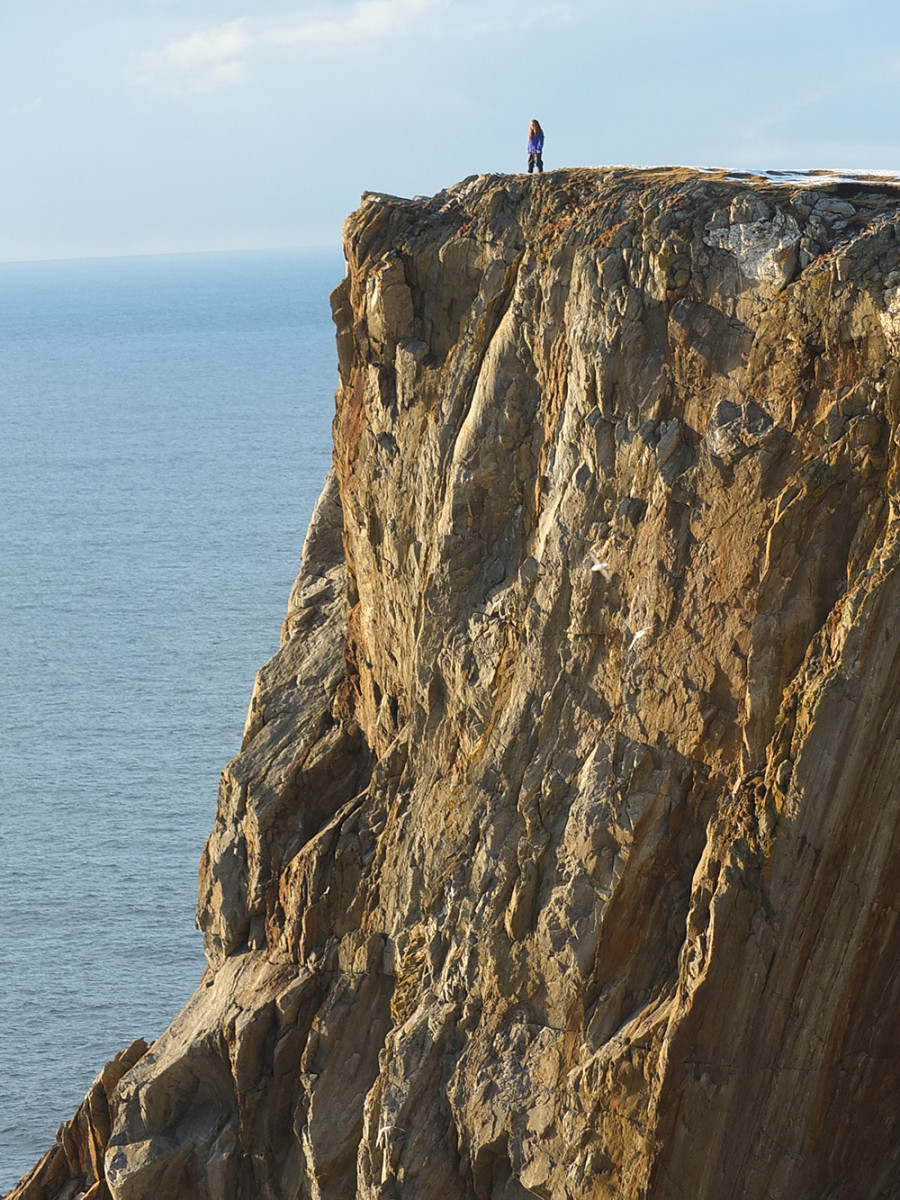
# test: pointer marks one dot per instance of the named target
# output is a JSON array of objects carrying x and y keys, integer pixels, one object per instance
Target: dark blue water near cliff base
[{"x": 164, "y": 433}]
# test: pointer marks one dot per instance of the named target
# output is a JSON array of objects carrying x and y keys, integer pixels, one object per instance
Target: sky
[{"x": 158, "y": 126}]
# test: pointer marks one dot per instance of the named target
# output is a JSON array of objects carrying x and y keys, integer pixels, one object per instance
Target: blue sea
[{"x": 165, "y": 429}]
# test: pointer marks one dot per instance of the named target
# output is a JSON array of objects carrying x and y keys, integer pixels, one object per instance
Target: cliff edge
[{"x": 559, "y": 859}]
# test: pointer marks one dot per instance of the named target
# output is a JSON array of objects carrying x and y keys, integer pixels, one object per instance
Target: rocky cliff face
[{"x": 560, "y": 858}]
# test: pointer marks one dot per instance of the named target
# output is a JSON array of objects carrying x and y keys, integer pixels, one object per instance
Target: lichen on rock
[{"x": 558, "y": 859}]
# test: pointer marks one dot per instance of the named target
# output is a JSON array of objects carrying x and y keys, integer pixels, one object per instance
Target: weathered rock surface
[
  {"x": 74, "y": 1165},
  {"x": 560, "y": 858}
]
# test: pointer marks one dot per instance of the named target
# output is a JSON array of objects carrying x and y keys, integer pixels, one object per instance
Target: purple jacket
[{"x": 536, "y": 144}]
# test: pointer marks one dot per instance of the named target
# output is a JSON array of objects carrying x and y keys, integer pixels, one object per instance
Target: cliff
[{"x": 559, "y": 859}]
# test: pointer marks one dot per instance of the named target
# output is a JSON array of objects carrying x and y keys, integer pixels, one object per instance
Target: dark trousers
[{"x": 535, "y": 160}]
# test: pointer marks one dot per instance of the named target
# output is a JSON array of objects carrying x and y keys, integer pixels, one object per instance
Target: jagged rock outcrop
[
  {"x": 559, "y": 857},
  {"x": 74, "y": 1165}
]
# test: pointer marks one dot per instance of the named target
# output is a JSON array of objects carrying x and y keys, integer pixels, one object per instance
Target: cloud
[
  {"x": 367, "y": 21},
  {"x": 201, "y": 62},
  {"x": 219, "y": 56},
  {"x": 210, "y": 47},
  {"x": 21, "y": 108}
]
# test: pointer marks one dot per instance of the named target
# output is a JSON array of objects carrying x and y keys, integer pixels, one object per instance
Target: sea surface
[{"x": 165, "y": 429}]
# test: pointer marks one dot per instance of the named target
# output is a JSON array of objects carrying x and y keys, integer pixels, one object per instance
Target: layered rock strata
[{"x": 560, "y": 856}]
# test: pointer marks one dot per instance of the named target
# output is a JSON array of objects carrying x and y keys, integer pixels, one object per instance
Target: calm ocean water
[{"x": 165, "y": 431}]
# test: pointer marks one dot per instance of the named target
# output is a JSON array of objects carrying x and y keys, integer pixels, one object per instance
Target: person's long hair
[{"x": 534, "y": 129}]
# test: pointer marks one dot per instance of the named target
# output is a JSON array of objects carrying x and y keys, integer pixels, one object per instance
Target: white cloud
[
  {"x": 21, "y": 108},
  {"x": 219, "y": 56},
  {"x": 209, "y": 47},
  {"x": 201, "y": 62},
  {"x": 367, "y": 21}
]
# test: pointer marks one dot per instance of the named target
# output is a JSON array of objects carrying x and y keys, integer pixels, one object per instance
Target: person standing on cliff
[{"x": 535, "y": 147}]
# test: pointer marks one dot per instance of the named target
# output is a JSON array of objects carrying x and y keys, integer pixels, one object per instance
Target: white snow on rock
[
  {"x": 828, "y": 177},
  {"x": 825, "y": 177}
]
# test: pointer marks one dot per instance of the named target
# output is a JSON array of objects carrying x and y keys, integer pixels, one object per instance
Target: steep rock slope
[{"x": 559, "y": 857}]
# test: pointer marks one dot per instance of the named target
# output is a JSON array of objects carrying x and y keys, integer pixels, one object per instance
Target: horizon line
[{"x": 76, "y": 258}]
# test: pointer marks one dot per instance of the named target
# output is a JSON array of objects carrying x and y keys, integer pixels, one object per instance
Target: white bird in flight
[{"x": 597, "y": 565}]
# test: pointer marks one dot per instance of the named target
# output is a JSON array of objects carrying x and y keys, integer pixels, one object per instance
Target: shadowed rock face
[{"x": 560, "y": 856}]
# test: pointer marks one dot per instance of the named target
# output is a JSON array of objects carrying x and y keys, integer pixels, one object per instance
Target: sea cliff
[{"x": 559, "y": 858}]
